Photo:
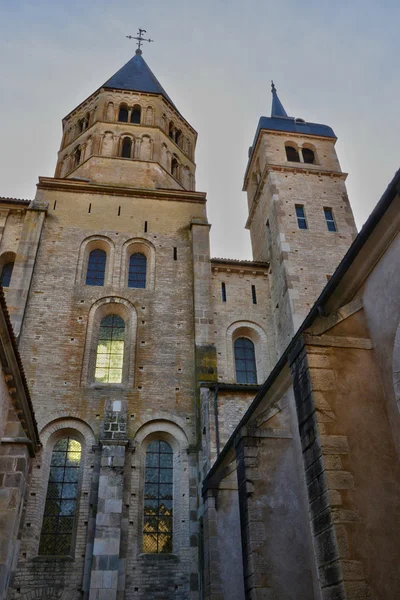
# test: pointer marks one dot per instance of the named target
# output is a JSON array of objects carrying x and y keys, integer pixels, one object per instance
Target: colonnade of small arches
[
  {"x": 301, "y": 154},
  {"x": 126, "y": 145}
]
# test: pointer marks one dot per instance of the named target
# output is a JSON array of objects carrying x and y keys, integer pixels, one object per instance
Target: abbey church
[{"x": 181, "y": 427}]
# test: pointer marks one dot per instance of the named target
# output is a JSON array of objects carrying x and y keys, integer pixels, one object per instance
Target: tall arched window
[
  {"x": 77, "y": 157},
  {"x": 96, "y": 268},
  {"x": 123, "y": 114},
  {"x": 158, "y": 497},
  {"x": 245, "y": 361},
  {"x": 6, "y": 273},
  {"x": 126, "y": 148},
  {"x": 291, "y": 154},
  {"x": 137, "y": 270},
  {"x": 110, "y": 350},
  {"x": 62, "y": 490},
  {"x": 175, "y": 168},
  {"x": 136, "y": 114},
  {"x": 308, "y": 156}
]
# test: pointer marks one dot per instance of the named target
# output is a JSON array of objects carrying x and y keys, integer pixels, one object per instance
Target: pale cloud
[{"x": 334, "y": 63}]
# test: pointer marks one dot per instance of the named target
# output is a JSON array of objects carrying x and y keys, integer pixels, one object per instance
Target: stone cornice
[{"x": 70, "y": 185}]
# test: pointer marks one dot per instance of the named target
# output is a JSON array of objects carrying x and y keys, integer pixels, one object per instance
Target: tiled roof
[
  {"x": 136, "y": 75},
  {"x": 14, "y": 200}
]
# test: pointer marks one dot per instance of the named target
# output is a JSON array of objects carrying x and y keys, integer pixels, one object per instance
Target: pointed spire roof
[
  {"x": 277, "y": 109},
  {"x": 136, "y": 76}
]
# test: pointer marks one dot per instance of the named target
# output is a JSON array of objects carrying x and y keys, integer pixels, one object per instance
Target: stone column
[
  {"x": 3, "y": 219},
  {"x": 328, "y": 481},
  {"x": 213, "y": 589},
  {"x": 107, "y": 580},
  {"x": 251, "y": 521},
  {"x": 17, "y": 293}
]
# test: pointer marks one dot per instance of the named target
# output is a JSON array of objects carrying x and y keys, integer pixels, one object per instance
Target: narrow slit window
[
  {"x": 223, "y": 292},
  {"x": 175, "y": 253},
  {"x": 245, "y": 361},
  {"x": 330, "y": 221},
  {"x": 158, "y": 498},
  {"x": 6, "y": 273},
  {"x": 96, "y": 269},
  {"x": 60, "y": 508},
  {"x": 137, "y": 271},
  {"x": 110, "y": 350},
  {"x": 301, "y": 217},
  {"x": 145, "y": 226},
  {"x": 254, "y": 294}
]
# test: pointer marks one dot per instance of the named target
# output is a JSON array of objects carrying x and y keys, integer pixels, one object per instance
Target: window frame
[
  {"x": 93, "y": 243},
  {"x": 148, "y": 482},
  {"x": 62, "y": 433},
  {"x": 331, "y": 220},
  {"x": 96, "y": 270},
  {"x": 302, "y": 218},
  {"x": 246, "y": 371},
  {"x": 100, "y": 309},
  {"x": 114, "y": 328}
]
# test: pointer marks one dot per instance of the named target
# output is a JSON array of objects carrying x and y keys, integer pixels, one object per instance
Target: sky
[{"x": 335, "y": 63}]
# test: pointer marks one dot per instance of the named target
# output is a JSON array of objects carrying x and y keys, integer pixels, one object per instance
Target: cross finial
[
  {"x": 273, "y": 88},
  {"x": 140, "y": 39}
]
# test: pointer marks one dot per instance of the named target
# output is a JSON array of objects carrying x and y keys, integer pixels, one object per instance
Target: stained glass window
[
  {"x": 110, "y": 350},
  {"x": 60, "y": 507},
  {"x": 6, "y": 273},
  {"x": 137, "y": 271},
  {"x": 157, "y": 528},
  {"x": 96, "y": 268},
  {"x": 245, "y": 361}
]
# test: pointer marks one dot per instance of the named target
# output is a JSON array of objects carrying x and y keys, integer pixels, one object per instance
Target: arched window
[
  {"x": 291, "y": 154},
  {"x": 77, "y": 157},
  {"x": 123, "y": 114},
  {"x": 174, "y": 168},
  {"x": 158, "y": 497},
  {"x": 136, "y": 114},
  {"x": 171, "y": 130},
  {"x": 126, "y": 148},
  {"x": 308, "y": 156},
  {"x": 62, "y": 491},
  {"x": 178, "y": 137},
  {"x": 96, "y": 268},
  {"x": 245, "y": 361},
  {"x": 137, "y": 270},
  {"x": 6, "y": 273},
  {"x": 110, "y": 350}
]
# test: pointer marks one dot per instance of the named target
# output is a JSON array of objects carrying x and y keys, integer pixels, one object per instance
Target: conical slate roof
[
  {"x": 137, "y": 76},
  {"x": 277, "y": 109}
]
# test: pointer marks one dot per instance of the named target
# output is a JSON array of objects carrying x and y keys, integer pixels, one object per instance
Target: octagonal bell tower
[{"x": 129, "y": 133}]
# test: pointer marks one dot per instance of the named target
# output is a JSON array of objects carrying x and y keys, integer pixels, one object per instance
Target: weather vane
[{"x": 140, "y": 39}]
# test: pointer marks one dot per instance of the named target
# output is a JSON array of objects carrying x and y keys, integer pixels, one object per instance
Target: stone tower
[
  {"x": 116, "y": 287},
  {"x": 129, "y": 117},
  {"x": 300, "y": 219}
]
